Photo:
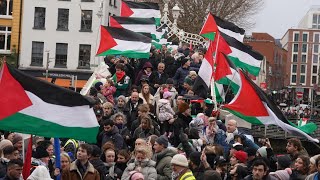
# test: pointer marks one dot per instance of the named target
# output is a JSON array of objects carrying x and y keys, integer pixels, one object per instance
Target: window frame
[
  {"x": 7, "y": 39},
  {"x": 35, "y": 19},
  {"x": 61, "y": 56},
  {"x": 40, "y": 52},
  {"x": 82, "y": 55},
  {"x": 8, "y": 9},
  {"x": 83, "y": 21},
  {"x": 61, "y": 18}
]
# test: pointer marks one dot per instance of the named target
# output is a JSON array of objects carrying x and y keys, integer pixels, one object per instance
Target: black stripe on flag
[
  {"x": 231, "y": 65},
  {"x": 127, "y": 35},
  {"x": 48, "y": 92},
  {"x": 228, "y": 25},
  {"x": 200, "y": 88},
  {"x": 142, "y": 5},
  {"x": 134, "y": 20},
  {"x": 242, "y": 47}
]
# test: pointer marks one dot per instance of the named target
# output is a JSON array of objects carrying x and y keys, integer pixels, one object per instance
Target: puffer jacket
[
  {"x": 165, "y": 111},
  {"x": 146, "y": 167},
  {"x": 163, "y": 165}
]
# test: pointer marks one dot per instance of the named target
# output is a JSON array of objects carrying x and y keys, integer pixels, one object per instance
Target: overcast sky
[{"x": 277, "y": 16}]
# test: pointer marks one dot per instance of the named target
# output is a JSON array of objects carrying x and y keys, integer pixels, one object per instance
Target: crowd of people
[{"x": 154, "y": 127}]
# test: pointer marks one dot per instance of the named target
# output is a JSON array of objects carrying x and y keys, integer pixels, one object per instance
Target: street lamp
[{"x": 175, "y": 13}]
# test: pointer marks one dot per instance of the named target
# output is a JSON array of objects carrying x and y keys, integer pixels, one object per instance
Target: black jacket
[
  {"x": 155, "y": 79},
  {"x": 100, "y": 167},
  {"x": 113, "y": 136}
]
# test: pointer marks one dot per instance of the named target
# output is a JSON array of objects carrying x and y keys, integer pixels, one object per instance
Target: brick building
[{"x": 275, "y": 57}]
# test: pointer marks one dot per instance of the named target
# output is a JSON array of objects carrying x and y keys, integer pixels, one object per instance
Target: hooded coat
[
  {"x": 146, "y": 167},
  {"x": 113, "y": 136},
  {"x": 163, "y": 165}
]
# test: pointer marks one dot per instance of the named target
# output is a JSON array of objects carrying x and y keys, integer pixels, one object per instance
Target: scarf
[
  {"x": 120, "y": 75},
  {"x": 230, "y": 136}
]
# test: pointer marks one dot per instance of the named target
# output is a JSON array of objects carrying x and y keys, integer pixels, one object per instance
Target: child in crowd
[{"x": 108, "y": 90}]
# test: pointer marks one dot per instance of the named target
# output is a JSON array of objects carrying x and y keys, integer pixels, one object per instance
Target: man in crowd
[
  {"x": 14, "y": 170},
  {"x": 180, "y": 170}
]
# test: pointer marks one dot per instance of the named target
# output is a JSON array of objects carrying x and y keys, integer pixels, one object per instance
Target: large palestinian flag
[
  {"x": 139, "y": 25},
  {"x": 254, "y": 106},
  {"x": 243, "y": 56},
  {"x": 229, "y": 28},
  {"x": 140, "y": 10},
  {"x": 33, "y": 106},
  {"x": 120, "y": 41},
  {"x": 209, "y": 28}
]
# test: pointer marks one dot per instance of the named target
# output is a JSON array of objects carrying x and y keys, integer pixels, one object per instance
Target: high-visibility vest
[{"x": 187, "y": 176}]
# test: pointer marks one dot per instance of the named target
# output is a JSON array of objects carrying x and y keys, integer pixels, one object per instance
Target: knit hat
[
  {"x": 4, "y": 143},
  {"x": 169, "y": 81},
  {"x": 241, "y": 156},
  {"x": 96, "y": 151},
  {"x": 263, "y": 151},
  {"x": 41, "y": 152},
  {"x": 251, "y": 151},
  {"x": 195, "y": 157},
  {"x": 123, "y": 98},
  {"x": 97, "y": 85},
  {"x": 282, "y": 174},
  {"x": 184, "y": 60},
  {"x": 16, "y": 138},
  {"x": 208, "y": 101},
  {"x": 237, "y": 146},
  {"x": 183, "y": 107},
  {"x": 167, "y": 94},
  {"x": 162, "y": 140},
  {"x": 136, "y": 175},
  {"x": 284, "y": 161},
  {"x": 188, "y": 81},
  {"x": 180, "y": 160},
  {"x": 211, "y": 174},
  {"x": 192, "y": 73},
  {"x": 219, "y": 160}
]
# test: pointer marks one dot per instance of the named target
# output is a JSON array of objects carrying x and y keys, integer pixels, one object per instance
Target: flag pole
[
  {"x": 57, "y": 154},
  {"x": 213, "y": 91}
]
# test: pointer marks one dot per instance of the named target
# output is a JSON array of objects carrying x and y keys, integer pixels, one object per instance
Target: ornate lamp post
[{"x": 175, "y": 13}]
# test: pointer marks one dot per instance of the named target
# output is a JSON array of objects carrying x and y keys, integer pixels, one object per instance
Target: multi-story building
[
  {"x": 302, "y": 44},
  {"x": 62, "y": 36},
  {"x": 275, "y": 56},
  {"x": 10, "y": 31}
]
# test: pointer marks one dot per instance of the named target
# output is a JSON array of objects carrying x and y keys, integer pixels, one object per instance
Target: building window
[
  {"x": 304, "y": 58},
  {"x": 296, "y": 37},
  {"x": 315, "y": 59},
  {"x": 86, "y": 20},
  {"x": 314, "y": 69},
  {"x": 295, "y": 58},
  {"x": 305, "y": 37},
  {"x": 84, "y": 56},
  {"x": 316, "y": 21},
  {"x": 316, "y": 38},
  {"x": 39, "y": 18},
  {"x": 316, "y": 48},
  {"x": 295, "y": 47},
  {"x": 63, "y": 19},
  {"x": 294, "y": 79},
  {"x": 304, "y": 48},
  {"x": 6, "y": 7},
  {"x": 87, "y": 0},
  {"x": 5, "y": 38},
  {"x": 37, "y": 53},
  {"x": 303, "y": 69},
  {"x": 61, "y": 55},
  {"x": 314, "y": 80},
  {"x": 294, "y": 68},
  {"x": 302, "y": 79}
]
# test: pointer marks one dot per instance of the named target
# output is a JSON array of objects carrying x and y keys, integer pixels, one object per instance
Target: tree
[{"x": 194, "y": 12}]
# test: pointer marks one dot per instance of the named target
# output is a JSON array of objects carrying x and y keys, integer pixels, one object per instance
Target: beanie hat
[
  {"x": 41, "y": 152},
  {"x": 97, "y": 85},
  {"x": 96, "y": 151},
  {"x": 211, "y": 174},
  {"x": 162, "y": 140},
  {"x": 313, "y": 159},
  {"x": 184, "y": 60},
  {"x": 16, "y": 138},
  {"x": 180, "y": 160},
  {"x": 251, "y": 151},
  {"x": 167, "y": 94},
  {"x": 183, "y": 107},
  {"x": 122, "y": 97},
  {"x": 284, "y": 161},
  {"x": 191, "y": 73},
  {"x": 241, "y": 156},
  {"x": 263, "y": 151},
  {"x": 282, "y": 174},
  {"x": 195, "y": 157},
  {"x": 4, "y": 143},
  {"x": 169, "y": 81},
  {"x": 136, "y": 175},
  {"x": 237, "y": 146},
  {"x": 188, "y": 81}
]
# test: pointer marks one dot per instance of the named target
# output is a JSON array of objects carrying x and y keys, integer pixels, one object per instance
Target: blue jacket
[{"x": 180, "y": 75}]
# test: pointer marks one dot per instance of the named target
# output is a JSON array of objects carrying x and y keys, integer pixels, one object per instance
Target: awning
[{"x": 66, "y": 82}]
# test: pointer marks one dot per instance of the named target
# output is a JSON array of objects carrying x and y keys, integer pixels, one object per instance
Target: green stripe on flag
[
  {"x": 233, "y": 86},
  {"x": 129, "y": 53},
  {"x": 252, "y": 120},
  {"x": 251, "y": 69}
]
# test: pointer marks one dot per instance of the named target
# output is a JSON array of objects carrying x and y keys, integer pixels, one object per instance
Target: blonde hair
[
  {"x": 145, "y": 150},
  {"x": 66, "y": 155},
  {"x": 107, "y": 105}
]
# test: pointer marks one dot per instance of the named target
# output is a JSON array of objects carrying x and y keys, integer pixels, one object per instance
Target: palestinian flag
[
  {"x": 243, "y": 56},
  {"x": 209, "y": 28},
  {"x": 220, "y": 93},
  {"x": 33, "y": 106},
  {"x": 120, "y": 41},
  {"x": 229, "y": 28},
  {"x": 203, "y": 81},
  {"x": 139, "y": 25},
  {"x": 140, "y": 10},
  {"x": 254, "y": 106},
  {"x": 227, "y": 73}
]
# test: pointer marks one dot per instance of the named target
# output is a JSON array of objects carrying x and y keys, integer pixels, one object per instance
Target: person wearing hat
[
  {"x": 181, "y": 73},
  {"x": 146, "y": 70},
  {"x": 180, "y": 170},
  {"x": 40, "y": 157},
  {"x": 121, "y": 80},
  {"x": 182, "y": 122},
  {"x": 159, "y": 77},
  {"x": 163, "y": 156},
  {"x": 238, "y": 157}
]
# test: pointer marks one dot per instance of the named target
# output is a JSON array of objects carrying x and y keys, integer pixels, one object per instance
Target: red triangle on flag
[
  {"x": 223, "y": 46},
  {"x": 210, "y": 26},
  {"x": 247, "y": 101},
  {"x": 114, "y": 23},
  {"x": 125, "y": 10},
  {"x": 13, "y": 96},
  {"x": 209, "y": 54},
  {"x": 222, "y": 67},
  {"x": 106, "y": 41}
]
